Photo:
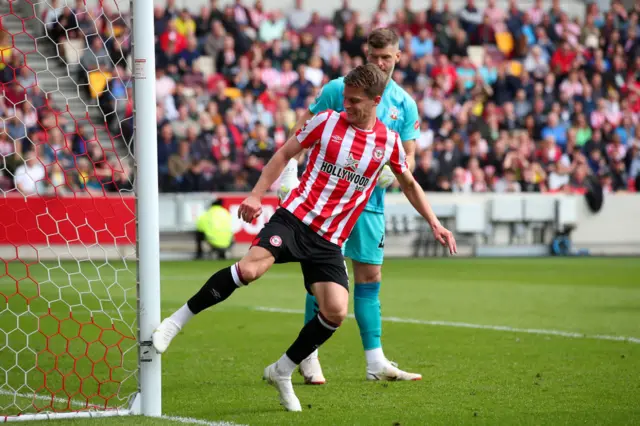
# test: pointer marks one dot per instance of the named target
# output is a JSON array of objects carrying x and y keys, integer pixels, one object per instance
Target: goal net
[{"x": 69, "y": 280}]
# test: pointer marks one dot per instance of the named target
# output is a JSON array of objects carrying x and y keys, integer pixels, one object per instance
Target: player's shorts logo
[
  {"x": 275, "y": 241},
  {"x": 378, "y": 153}
]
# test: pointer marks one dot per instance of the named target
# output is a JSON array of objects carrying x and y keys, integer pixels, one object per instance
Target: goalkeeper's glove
[
  {"x": 386, "y": 177},
  {"x": 288, "y": 180}
]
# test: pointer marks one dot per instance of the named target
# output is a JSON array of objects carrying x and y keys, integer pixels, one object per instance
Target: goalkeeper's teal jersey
[{"x": 397, "y": 110}]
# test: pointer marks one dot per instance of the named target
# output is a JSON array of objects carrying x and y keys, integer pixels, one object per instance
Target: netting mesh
[{"x": 67, "y": 208}]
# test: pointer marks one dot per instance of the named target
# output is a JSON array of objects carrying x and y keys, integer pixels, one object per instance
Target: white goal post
[{"x": 79, "y": 225}]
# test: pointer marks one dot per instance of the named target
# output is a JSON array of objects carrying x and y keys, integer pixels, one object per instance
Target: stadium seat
[
  {"x": 424, "y": 241},
  {"x": 471, "y": 222},
  {"x": 539, "y": 215},
  {"x": 506, "y": 209},
  {"x": 471, "y": 218},
  {"x": 568, "y": 211},
  {"x": 169, "y": 217}
]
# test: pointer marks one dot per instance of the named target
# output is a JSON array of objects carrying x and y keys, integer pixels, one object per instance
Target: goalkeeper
[{"x": 365, "y": 246}]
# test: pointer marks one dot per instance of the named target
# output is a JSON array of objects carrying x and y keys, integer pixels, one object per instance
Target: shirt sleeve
[
  {"x": 312, "y": 130},
  {"x": 398, "y": 160},
  {"x": 328, "y": 98},
  {"x": 411, "y": 126}
]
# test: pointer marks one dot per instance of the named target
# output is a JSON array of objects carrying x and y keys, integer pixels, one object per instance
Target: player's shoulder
[
  {"x": 391, "y": 135},
  {"x": 328, "y": 113},
  {"x": 400, "y": 96},
  {"x": 338, "y": 81},
  {"x": 335, "y": 85},
  {"x": 325, "y": 115}
]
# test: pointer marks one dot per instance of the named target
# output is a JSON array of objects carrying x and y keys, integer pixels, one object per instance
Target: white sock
[
  {"x": 182, "y": 316},
  {"x": 375, "y": 357},
  {"x": 313, "y": 355},
  {"x": 285, "y": 366}
]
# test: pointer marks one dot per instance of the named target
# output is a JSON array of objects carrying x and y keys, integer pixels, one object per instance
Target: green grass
[{"x": 471, "y": 376}]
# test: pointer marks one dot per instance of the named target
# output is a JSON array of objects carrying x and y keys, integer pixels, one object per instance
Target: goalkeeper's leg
[
  {"x": 366, "y": 250},
  {"x": 365, "y": 247}
]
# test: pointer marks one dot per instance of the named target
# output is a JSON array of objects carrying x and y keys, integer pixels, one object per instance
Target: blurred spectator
[
  {"x": 261, "y": 145},
  {"x": 509, "y": 99},
  {"x": 30, "y": 176}
]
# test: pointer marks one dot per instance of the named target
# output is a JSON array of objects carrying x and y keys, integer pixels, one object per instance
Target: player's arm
[
  {"x": 307, "y": 136},
  {"x": 410, "y": 150},
  {"x": 418, "y": 198},
  {"x": 410, "y": 131},
  {"x": 251, "y": 207}
]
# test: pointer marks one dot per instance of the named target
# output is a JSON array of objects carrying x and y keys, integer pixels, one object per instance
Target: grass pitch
[{"x": 213, "y": 369}]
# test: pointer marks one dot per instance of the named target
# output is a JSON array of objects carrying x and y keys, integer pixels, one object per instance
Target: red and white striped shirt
[{"x": 343, "y": 168}]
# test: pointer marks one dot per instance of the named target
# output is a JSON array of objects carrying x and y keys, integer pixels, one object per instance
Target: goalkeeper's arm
[{"x": 387, "y": 177}]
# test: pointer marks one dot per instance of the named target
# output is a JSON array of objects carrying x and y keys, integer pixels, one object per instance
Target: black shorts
[{"x": 290, "y": 240}]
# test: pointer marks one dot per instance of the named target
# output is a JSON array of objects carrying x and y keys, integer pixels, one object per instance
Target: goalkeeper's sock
[
  {"x": 375, "y": 358},
  {"x": 311, "y": 337},
  {"x": 366, "y": 302},
  {"x": 311, "y": 308},
  {"x": 217, "y": 288}
]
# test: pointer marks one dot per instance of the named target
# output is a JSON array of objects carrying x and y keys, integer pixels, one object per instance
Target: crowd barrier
[{"x": 489, "y": 219}]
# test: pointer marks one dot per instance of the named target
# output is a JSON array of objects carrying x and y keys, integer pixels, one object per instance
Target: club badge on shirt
[
  {"x": 377, "y": 154},
  {"x": 393, "y": 113}
]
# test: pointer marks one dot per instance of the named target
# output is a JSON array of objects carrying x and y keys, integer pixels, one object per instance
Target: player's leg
[
  {"x": 333, "y": 300},
  {"x": 269, "y": 246},
  {"x": 217, "y": 289},
  {"x": 310, "y": 367},
  {"x": 366, "y": 250}
]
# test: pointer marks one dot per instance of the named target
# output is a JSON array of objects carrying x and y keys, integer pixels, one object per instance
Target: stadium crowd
[
  {"x": 511, "y": 100},
  {"x": 44, "y": 147}
]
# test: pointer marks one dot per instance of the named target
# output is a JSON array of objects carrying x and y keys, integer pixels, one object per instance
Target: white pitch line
[
  {"x": 186, "y": 420},
  {"x": 571, "y": 334},
  {"x": 198, "y": 421},
  {"x": 43, "y": 398}
]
